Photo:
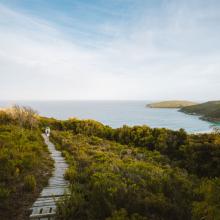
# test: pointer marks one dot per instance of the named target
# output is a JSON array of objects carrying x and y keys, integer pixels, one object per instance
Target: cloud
[{"x": 163, "y": 52}]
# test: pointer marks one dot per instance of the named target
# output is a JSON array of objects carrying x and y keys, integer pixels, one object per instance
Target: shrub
[
  {"x": 4, "y": 193},
  {"x": 207, "y": 206},
  {"x": 5, "y": 118},
  {"x": 70, "y": 174},
  {"x": 29, "y": 183},
  {"x": 123, "y": 215}
]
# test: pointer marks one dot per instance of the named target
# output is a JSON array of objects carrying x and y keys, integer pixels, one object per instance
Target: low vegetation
[
  {"x": 24, "y": 163},
  {"x": 110, "y": 179},
  {"x": 208, "y": 110},
  {"x": 197, "y": 153},
  {"x": 137, "y": 172}
]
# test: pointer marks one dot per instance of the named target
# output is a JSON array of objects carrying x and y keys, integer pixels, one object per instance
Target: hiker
[{"x": 47, "y": 131}]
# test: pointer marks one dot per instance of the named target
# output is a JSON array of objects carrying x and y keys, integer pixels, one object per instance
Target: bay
[{"x": 117, "y": 113}]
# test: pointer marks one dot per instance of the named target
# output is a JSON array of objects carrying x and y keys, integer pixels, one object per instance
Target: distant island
[
  {"x": 171, "y": 104},
  {"x": 209, "y": 111}
]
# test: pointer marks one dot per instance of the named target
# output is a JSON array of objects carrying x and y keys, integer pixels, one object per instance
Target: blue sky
[{"x": 110, "y": 49}]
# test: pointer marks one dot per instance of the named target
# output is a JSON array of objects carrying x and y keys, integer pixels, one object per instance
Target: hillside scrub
[
  {"x": 183, "y": 169},
  {"x": 125, "y": 173},
  {"x": 25, "y": 166},
  {"x": 23, "y": 116},
  {"x": 107, "y": 178},
  {"x": 114, "y": 181},
  {"x": 198, "y": 154},
  {"x": 208, "y": 111}
]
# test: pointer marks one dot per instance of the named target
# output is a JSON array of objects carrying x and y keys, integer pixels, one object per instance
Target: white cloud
[{"x": 173, "y": 56}]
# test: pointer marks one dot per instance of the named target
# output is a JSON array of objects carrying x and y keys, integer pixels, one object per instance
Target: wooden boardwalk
[{"x": 44, "y": 208}]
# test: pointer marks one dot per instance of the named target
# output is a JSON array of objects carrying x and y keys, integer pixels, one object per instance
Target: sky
[{"x": 109, "y": 49}]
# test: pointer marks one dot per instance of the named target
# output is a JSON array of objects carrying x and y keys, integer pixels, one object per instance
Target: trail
[{"x": 44, "y": 208}]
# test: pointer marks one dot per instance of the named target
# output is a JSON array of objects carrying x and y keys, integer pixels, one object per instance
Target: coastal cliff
[{"x": 209, "y": 111}]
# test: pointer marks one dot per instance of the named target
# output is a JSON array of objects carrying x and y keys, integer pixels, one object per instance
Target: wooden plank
[{"x": 40, "y": 216}]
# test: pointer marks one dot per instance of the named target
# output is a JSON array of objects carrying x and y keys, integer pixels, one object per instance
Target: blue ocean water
[{"x": 117, "y": 113}]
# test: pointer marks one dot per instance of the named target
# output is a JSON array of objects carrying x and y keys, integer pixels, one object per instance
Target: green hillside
[
  {"x": 208, "y": 110},
  {"x": 127, "y": 173},
  {"x": 171, "y": 104},
  {"x": 114, "y": 181},
  {"x": 137, "y": 173},
  {"x": 25, "y": 164}
]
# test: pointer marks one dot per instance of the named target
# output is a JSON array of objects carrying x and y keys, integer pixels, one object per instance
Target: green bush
[
  {"x": 29, "y": 183},
  {"x": 5, "y": 118},
  {"x": 4, "y": 193},
  {"x": 70, "y": 174},
  {"x": 123, "y": 215},
  {"x": 208, "y": 204}
]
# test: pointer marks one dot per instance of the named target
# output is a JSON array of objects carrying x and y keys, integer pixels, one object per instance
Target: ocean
[{"x": 117, "y": 113}]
